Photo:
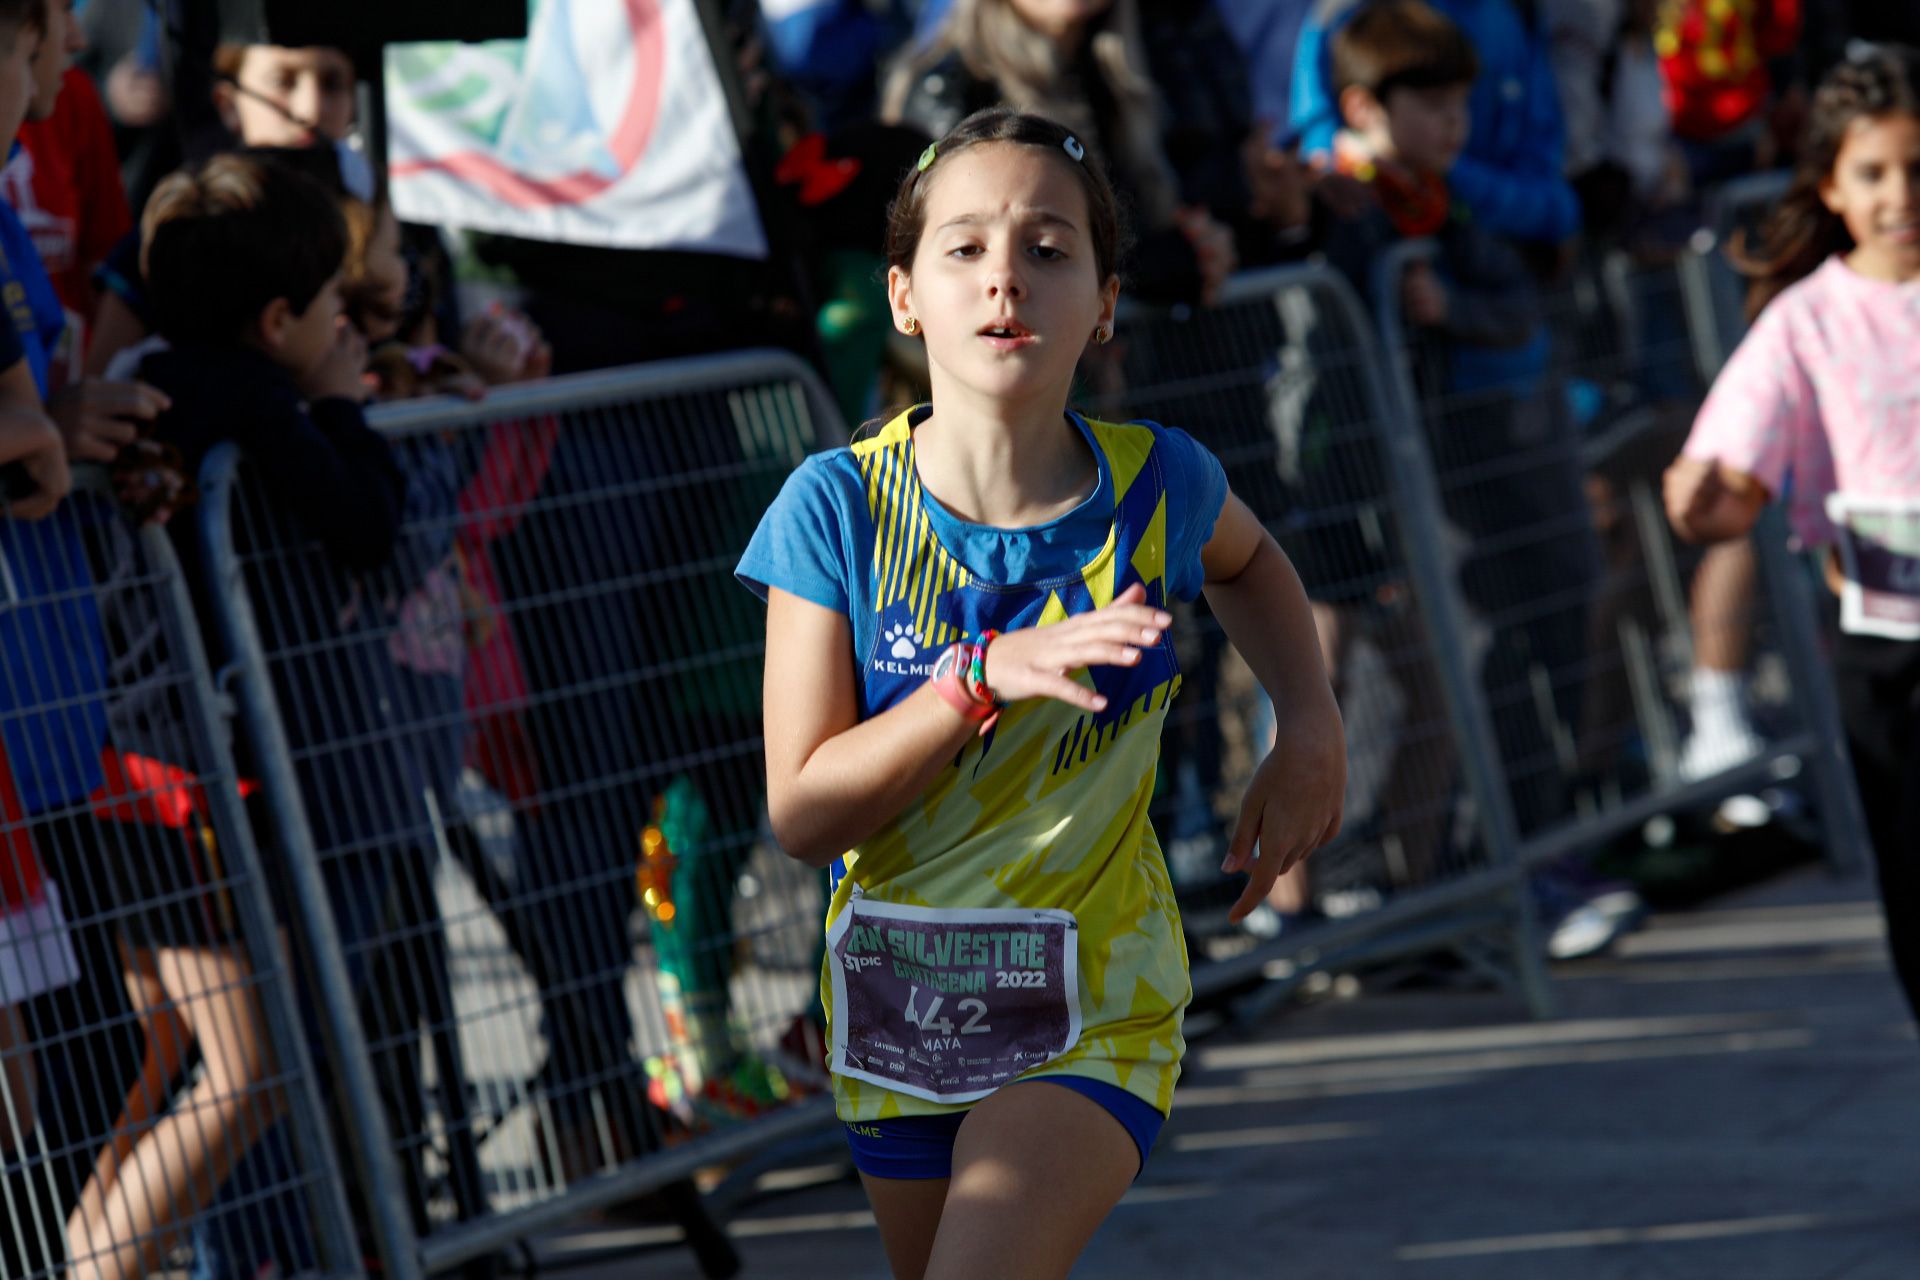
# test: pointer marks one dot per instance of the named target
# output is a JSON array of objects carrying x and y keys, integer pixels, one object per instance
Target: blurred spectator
[
  {"x": 244, "y": 259},
  {"x": 829, "y": 52},
  {"x": 53, "y": 722},
  {"x": 1508, "y": 463},
  {"x": 1088, "y": 70},
  {"x": 36, "y": 947},
  {"x": 840, "y": 184},
  {"x": 125, "y": 58},
  {"x": 1223, "y": 159},
  {"x": 1512, "y": 173},
  {"x": 1268, "y": 32},
  {"x": 64, "y": 182},
  {"x": 1619, "y": 139},
  {"x": 602, "y": 308},
  {"x": 272, "y": 96},
  {"x": 1715, "y": 56}
]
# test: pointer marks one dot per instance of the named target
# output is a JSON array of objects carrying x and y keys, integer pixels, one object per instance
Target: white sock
[{"x": 1719, "y": 702}]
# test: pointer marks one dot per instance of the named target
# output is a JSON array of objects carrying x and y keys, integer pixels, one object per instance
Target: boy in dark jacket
[
  {"x": 1507, "y": 459},
  {"x": 242, "y": 260}
]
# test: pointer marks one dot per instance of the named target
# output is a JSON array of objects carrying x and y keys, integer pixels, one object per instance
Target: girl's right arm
[
  {"x": 1760, "y": 423},
  {"x": 834, "y": 779},
  {"x": 1708, "y": 501}
]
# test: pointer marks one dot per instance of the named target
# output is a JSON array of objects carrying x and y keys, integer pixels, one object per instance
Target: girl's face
[
  {"x": 386, "y": 273},
  {"x": 291, "y": 97},
  {"x": 1004, "y": 284},
  {"x": 1874, "y": 188}
]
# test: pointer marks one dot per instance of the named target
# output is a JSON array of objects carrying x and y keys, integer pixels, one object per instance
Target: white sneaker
[{"x": 1708, "y": 752}]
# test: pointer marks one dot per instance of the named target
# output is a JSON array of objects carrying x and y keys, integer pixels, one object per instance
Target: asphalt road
[{"x": 1733, "y": 1093}]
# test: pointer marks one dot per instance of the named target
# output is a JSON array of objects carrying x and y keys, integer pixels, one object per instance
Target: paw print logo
[{"x": 900, "y": 642}]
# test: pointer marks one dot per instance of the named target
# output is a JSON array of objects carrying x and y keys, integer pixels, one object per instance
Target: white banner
[{"x": 605, "y": 126}]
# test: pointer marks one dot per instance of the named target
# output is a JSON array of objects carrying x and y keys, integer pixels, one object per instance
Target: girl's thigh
[
  {"x": 907, "y": 1211},
  {"x": 1036, "y": 1169}
]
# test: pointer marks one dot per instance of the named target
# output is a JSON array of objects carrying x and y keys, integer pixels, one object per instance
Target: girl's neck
[
  {"x": 1005, "y": 465},
  {"x": 1872, "y": 265}
]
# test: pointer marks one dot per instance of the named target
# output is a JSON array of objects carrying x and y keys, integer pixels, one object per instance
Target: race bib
[
  {"x": 1880, "y": 555},
  {"x": 950, "y": 1004}
]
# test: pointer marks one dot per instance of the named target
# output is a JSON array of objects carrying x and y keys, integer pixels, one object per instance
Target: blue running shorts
[{"x": 916, "y": 1147}]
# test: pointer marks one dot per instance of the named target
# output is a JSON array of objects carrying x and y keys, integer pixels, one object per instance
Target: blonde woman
[{"x": 1081, "y": 63}]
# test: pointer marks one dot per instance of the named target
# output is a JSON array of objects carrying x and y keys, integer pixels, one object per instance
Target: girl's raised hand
[
  {"x": 1035, "y": 662},
  {"x": 1293, "y": 805}
]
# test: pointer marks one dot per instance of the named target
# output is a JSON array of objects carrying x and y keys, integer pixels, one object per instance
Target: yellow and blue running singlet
[{"x": 1017, "y": 920}]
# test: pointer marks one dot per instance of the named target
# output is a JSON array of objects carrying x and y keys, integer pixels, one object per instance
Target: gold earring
[
  {"x": 912, "y": 326},
  {"x": 1101, "y": 335}
]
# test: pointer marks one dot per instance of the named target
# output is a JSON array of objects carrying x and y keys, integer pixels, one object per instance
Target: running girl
[
  {"x": 1826, "y": 390},
  {"x": 967, "y": 675}
]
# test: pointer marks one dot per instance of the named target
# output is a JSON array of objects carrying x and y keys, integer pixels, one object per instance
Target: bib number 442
[{"x": 931, "y": 1023}]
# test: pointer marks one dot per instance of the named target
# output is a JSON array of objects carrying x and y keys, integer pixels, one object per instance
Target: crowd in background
[{"x": 196, "y": 250}]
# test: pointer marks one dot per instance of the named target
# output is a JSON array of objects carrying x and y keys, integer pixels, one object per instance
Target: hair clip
[
  {"x": 926, "y": 158},
  {"x": 1074, "y": 149}
]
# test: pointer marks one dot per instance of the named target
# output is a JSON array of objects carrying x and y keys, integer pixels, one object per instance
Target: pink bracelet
[{"x": 949, "y": 680}]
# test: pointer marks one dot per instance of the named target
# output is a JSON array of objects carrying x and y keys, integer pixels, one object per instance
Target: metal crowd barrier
[
  {"x": 1284, "y": 381},
  {"x": 151, "y": 1037},
  {"x": 537, "y": 728},
  {"x": 1550, "y": 491},
  {"x": 509, "y": 785},
  {"x": 1714, "y": 290}
]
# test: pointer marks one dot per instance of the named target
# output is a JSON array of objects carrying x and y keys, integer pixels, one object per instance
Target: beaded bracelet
[
  {"x": 977, "y": 670},
  {"x": 949, "y": 680}
]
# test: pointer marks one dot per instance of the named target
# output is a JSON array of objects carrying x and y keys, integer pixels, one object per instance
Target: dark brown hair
[
  {"x": 1401, "y": 44},
  {"x": 907, "y": 215},
  {"x": 1801, "y": 232},
  {"x": 219, "y": 242},
  {"x": 21, "y": 15}
]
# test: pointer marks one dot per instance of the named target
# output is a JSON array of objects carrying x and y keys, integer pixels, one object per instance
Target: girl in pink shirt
[{"x": 1821, "y": 404}]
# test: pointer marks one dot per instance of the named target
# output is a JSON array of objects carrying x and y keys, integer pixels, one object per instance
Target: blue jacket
[
  {"x": 828, "y": 49},
  {"x": 1511, "y": 174},
  {"x": 53, "y": 667},
  {"x": 1268, "y": 32}
]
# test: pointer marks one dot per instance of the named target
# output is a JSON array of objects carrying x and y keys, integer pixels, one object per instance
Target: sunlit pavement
[{"x": 1734, "y": 1093}]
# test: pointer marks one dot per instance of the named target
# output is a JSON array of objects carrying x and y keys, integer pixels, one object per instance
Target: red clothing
[
  {"x": 1416, "y": 204},
  {"x": 515, "y": 462},
  {"x": 64, "y": 182},
  {"x": 1713, "y": 57},
  {"x": 20, "y": 883}
]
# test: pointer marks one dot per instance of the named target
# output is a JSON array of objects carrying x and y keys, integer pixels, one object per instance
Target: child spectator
[
  {"x": 64, "y": 181},
  {"x": 53, "y": 722},
  {"x": 1510, "y": 171},
  {"x": 1089, "y": 71},
  {"x": 36, "y": 950},
  {"x": 272, "y": 96},
  {"x": 243, "y": 260},
  {"x": 1509, "y": 466}
]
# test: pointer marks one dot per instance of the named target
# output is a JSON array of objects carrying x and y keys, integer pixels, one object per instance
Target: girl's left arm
[{"x": 1292, "y": 806}]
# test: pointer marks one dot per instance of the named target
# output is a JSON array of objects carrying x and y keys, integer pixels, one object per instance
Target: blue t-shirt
[
  {"x": 53, "y": 670},
  {"x": 812, "y": 542},
  {"x": 33, "y": 305}
]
